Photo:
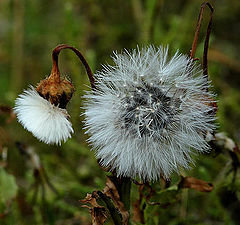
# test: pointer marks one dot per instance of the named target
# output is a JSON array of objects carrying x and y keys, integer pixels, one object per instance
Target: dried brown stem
[
  {"x": 206, "y": 43},
  {"x": 55, "y": 70}
]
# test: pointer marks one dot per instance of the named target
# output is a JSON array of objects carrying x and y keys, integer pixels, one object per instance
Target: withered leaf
[
  {"x": 98, "y": 213},
  {"x": 111, "y": 191},
  {"x": 194, "y": 183}
]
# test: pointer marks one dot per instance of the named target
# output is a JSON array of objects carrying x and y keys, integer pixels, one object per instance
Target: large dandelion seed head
[{"x": 149, "y": 113}]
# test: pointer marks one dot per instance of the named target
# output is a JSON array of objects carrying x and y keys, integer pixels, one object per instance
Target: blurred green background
[{"x": 30, "y": 29}]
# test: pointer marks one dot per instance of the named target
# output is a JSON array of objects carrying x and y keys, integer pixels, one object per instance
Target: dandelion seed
[{"x": 149, "y": 139}]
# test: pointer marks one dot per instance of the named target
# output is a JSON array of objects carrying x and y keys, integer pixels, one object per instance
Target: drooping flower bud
[
  {"x": 42, "y": 111},
  {"x": 55, "y": 89}
]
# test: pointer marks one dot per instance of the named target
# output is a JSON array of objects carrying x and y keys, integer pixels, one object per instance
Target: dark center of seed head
[{"x": 148, "y": 111}]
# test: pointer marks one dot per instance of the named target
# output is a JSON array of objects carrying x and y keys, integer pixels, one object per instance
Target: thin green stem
[{"x": 125, "y": 191}]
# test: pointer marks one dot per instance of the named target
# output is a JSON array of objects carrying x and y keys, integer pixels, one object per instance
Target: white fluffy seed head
[
  {"x": 46, "y": 121},
  {"x": 149, "y": 113}
]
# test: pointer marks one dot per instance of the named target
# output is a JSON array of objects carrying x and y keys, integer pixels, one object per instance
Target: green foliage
[
  {"x": 166, "y": 196},
  {"x": 8, "y": 189},
  {"x": 30, "y": 29}
]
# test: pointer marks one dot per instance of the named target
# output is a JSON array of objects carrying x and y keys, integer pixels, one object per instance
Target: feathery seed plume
[
  {"x": 42, "y": 111},
  {"x": 149, "y": 113},
  {"x": 47, "y": 122}
]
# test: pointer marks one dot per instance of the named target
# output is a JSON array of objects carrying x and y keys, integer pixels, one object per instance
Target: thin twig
[{"x": 206, "y": 43}]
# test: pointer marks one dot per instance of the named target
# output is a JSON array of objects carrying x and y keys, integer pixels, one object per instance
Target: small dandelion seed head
[
  {"x": 156, "y": 124},
  {"x": 42, "y": 111},
  {"x": 47, "y": 122}
]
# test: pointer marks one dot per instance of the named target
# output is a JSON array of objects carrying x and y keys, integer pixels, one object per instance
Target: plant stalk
[{"x": 125, "y": 191}]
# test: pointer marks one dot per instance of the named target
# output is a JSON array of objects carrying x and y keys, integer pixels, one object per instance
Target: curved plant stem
[{"x": 55, "y": 69}]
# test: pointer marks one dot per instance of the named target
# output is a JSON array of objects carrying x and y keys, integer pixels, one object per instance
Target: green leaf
[
  {"x": 8, "y": 186},
  {"x": 166, "y": 196}
]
